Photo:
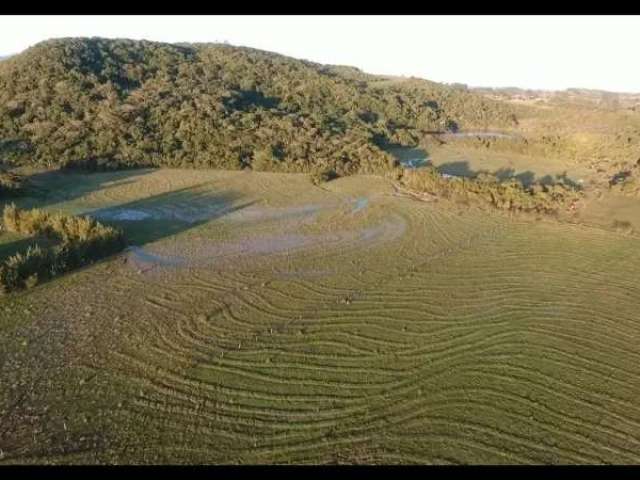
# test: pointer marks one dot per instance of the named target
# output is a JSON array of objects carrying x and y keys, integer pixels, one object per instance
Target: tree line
[{"x": 509, "y": 194}]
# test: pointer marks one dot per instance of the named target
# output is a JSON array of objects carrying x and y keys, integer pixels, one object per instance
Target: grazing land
[
  {"x": 312, "y": 264},
  {"x": 258, "y": 319}
]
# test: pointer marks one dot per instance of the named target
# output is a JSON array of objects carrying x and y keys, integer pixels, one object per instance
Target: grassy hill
[{"x": 121, "y": 103}]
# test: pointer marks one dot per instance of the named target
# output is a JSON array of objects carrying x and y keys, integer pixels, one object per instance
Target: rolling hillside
[
  {"x": 480, "y": 309},
  {"x": 120, "y": 103}
]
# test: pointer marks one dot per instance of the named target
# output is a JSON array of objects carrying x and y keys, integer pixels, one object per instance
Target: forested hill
[{"x": 104, "y": 103}]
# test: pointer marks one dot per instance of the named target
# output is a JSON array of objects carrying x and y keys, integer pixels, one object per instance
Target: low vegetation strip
[
  {"x": 77, "y": 241},
  {"x": 485, "y": 188}
]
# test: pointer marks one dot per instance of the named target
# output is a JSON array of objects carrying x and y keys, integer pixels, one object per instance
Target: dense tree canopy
[{"x": 121, "y": 103}]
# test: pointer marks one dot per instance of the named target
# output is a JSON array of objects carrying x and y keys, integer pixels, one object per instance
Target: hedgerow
[{"x": 485, "y": 188}]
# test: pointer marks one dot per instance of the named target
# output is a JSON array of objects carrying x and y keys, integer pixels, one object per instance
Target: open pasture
[{"x": 257, "y": 318}]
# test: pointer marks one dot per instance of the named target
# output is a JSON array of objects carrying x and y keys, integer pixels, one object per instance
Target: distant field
[
  {"x": 260, "y": 319},
  {"x": 464, "y": 161}
]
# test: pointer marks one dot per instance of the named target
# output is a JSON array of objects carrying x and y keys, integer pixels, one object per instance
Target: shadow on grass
[
  {"x": 150, "y": 219},
  {"x": 48, "y": 188},
  {"x": 20, "y": 245},
  {"x": 143, "y": 221},
  {"x": 56, "y": 186},
  {"x": 463, "y": 169},
  {"x": 159, "y": 216},
  {"x": 457, "y": 169}
]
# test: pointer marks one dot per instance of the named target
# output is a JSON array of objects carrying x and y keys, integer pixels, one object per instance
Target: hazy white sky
[{"x": 528, "y": 51}]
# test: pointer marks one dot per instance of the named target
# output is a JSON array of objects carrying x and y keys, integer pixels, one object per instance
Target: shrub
[
  {"x": 264, "y": 160},
  {"x": 32, "y": 222},
  {"x": 323, "y": 176},
  {"x": 24, "y": 269},
  {"x": 622, "y": 226},
  {"x": 81, "y": 240},
  {"x": 10, "y": 184}
]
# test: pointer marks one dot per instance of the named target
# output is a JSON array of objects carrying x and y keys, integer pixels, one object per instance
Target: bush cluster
[
  {"x": 77, "y": 241},
  {"x": 323, "y": 176}
]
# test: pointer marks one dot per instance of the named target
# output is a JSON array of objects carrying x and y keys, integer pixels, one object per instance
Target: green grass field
[{"x": 260, "y": 319}]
